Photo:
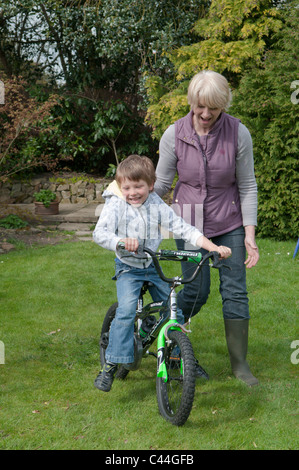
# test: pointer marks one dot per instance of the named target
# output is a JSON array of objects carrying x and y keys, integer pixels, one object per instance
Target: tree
[
  {"x": 21, "y": 117},
  {"x": 136, "y": 35},
  {"x": 92, "y": 43},
  {"x": 92, "y": 51},
  {"x": 233, "y": 36},
  {"x": 267, "y": 102},
  {"x": 23, "y": 42}
]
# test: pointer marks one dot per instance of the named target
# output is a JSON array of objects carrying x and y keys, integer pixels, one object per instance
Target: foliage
[
  {"x": 110, "y": 173},
  {"x": 90, "y": 133},
  {"x": 114, "y": 122},
  {"x": 267, "y": 105},
  {"x": 77, "y": 132},
  {"x": 74, "y": 179},
  {"x": 13, "y": 221},
  {"x": 235, "y": 34},
  {"x": 22, "y": 118},
  {"x": 137, "y": 34},
  {"x": 232, "y": 36},
  {"x": 165, "y": 107},
  {"x": 46, "y": 196},
  {"x": 69, "y": 141},
  {"x": 93, "y": 44},
  {"x": 93, "y": 52}
]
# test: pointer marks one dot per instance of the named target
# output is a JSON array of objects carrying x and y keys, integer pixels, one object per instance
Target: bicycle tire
[
  {"x": 121, "y": 372},
  {"x": 175, "y": 397}
]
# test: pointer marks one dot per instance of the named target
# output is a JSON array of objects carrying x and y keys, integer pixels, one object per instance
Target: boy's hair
[{"x": 136, "y": 168}]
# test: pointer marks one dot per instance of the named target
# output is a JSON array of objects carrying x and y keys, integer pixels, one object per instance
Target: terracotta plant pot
[{"x": 53, "y": 208}]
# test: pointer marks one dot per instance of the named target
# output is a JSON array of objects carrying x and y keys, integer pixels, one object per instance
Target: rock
[
  {"x": 7, "y": 246},
  {"x": 65, "y": 194},
  {"x": 80, "y": 192},
  {"x": 63, "y": 187}
]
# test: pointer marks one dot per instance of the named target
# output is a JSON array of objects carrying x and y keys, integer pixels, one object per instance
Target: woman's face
[{"x": 205, "y": 117}]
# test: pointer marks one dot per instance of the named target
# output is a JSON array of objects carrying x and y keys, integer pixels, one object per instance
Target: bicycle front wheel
[{"x": 175, "y": 397}]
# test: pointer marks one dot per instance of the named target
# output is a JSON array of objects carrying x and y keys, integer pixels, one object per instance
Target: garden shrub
[{"x": 267, "y": 104}]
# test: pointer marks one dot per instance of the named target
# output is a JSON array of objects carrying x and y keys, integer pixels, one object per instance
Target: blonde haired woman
[{"x": 216, "y": 192}]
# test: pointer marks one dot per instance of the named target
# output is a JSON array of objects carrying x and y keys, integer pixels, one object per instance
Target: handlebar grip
[
  {"x": 193, "y": 256},
  {"x": 140, "y": 254}
]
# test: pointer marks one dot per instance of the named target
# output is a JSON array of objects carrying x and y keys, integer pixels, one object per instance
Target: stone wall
[{"x": 80, "y": 192}]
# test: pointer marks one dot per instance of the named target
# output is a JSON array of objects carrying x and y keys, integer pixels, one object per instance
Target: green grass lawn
[{"x": 52, "y": 303}]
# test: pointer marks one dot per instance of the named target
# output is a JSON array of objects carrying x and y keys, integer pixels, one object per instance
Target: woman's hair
[
  {"x": 210, "y": 89},
  {"x": 136, "y": 168}
]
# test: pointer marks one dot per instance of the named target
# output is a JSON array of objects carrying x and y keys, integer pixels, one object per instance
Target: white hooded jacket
[{"x": 147, "y": 223}]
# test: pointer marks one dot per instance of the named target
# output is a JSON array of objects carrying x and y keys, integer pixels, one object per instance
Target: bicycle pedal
[{"x": 152, "y": 354}]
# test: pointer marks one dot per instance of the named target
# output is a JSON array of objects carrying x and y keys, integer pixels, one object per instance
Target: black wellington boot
[{"x": 236, "y": 332}]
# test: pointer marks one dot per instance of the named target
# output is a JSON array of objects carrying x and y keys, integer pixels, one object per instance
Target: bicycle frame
[
  {"x": 172, "y": 324},
  {"x": 161, "y": 327}
]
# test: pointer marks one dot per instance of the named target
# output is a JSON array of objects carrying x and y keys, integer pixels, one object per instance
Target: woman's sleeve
[
  {"x": 167, "y": 164},
  {"x": 246, "y": 177}
]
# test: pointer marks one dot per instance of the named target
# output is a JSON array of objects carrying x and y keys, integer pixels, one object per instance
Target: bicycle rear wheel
[
  {"x": 175, "y": 397},
  {"x": 121, "y": 371}
]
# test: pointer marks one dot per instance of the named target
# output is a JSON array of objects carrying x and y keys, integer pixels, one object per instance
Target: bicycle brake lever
[
  {"x": 140, "y": 255},
  {"x": 217, "y": 263}
]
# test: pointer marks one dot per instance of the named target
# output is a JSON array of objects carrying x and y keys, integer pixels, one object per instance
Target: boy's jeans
[
  {"x": 232, "y": 282},
  {"x": 129, "y": 282}
]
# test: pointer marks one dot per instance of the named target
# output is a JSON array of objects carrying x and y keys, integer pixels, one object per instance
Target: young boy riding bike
[{"x": 135, "y": 216}]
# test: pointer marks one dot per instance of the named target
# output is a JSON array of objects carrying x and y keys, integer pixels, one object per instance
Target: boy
[{"x": 133, "y": 215}]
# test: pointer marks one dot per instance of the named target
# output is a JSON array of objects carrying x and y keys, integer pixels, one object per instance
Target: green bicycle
[{"x": 175, "y": 383}]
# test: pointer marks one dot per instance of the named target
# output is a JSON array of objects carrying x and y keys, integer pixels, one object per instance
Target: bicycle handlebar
[
  {"x": 170, "y": 255},
  {"x": 182, "y": 255}
]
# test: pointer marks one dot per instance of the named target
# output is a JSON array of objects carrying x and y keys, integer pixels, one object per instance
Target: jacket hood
[{"x": 113, "y": 190}]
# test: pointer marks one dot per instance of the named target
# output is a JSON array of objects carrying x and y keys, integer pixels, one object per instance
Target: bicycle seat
[{"x": 147, "y": 284}]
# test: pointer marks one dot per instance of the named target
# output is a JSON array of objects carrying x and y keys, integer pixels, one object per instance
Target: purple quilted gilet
[{"x": 206, "y": 194}]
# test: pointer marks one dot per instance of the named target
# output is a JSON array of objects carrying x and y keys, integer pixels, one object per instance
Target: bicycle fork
[{"x": 172, "y": 324}]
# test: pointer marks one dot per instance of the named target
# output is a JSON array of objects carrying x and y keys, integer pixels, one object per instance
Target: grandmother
[{"x": 216, "y": 191}]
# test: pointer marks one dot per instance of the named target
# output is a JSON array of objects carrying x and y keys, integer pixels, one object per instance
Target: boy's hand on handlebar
[
  {"x": 130, "y": 244},
  {"x": 224, "y": 251},
  {"x": 205, "y": 243}
]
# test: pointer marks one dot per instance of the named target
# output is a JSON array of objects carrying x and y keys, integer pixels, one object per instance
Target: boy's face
[{"x": 135, "y": 192}]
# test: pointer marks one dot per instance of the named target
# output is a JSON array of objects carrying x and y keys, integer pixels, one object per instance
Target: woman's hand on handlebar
[
  {"x": 130, "y": 244},
  {"x": 224, "y": 251}
]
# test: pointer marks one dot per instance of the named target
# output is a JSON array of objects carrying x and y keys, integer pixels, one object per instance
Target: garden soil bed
[{"x": 32, "y": 236}]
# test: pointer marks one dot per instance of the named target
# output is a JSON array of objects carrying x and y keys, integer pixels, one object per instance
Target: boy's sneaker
[{"x": 106, "y": 376}]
